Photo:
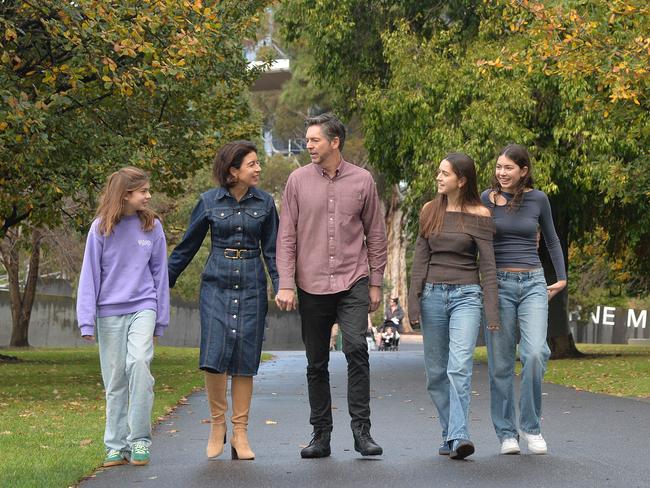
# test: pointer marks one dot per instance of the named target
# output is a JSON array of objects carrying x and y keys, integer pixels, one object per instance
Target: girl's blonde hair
[{"x": 111, "y": 206}]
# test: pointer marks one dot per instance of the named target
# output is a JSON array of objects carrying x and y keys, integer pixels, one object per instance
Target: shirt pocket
[
  {"x": 351, "y": 203},
  {"x": 220, "y": 214}
]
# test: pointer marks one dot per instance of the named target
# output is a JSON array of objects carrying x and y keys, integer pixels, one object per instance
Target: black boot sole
[
  {"x": 375, "y": 452},
  {"x": 462, "y": 451},
  {"x": 315, "y": 455}
]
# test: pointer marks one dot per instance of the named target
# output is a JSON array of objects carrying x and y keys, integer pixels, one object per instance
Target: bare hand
[
  {"x": 88, "y": 338},
  {"x": 374, "y": 292},
  {"x": 286, "y": 299},
  {"x": 555, "y": 288}
]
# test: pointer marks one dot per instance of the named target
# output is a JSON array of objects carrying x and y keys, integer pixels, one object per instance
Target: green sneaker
[
  {"x": 139, "y": 454},
  {"x": 113, "y": 458}
]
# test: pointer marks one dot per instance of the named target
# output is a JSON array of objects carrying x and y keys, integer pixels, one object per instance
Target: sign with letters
[{"x": 612, "y": 325}]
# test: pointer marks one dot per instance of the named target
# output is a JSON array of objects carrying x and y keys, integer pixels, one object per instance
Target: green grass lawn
[
  {"x": 614, "y": 369},
  {"x": 52, "y": 410}
]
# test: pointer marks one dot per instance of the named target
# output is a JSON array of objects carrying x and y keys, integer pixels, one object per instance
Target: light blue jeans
[
  {"x": 523, "y": 301},
  {"x": 125, "y": 352},
  {"x": 451, "y": 318}
]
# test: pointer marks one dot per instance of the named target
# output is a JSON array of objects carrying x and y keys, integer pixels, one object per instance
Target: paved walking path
[{"x": 594, "y": 440}]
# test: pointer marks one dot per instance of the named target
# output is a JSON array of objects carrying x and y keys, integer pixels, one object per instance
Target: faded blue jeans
[
  {"x": 451, "y": 318},
  {"x": 125, "y": 352},
  {"x": 523, "y": 301}
]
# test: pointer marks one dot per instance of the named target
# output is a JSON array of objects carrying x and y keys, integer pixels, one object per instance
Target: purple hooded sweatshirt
[{"x": 123, "y": 273}]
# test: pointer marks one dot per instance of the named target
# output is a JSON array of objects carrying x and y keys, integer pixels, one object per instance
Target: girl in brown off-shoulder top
[{"x": 453, "y": 247}]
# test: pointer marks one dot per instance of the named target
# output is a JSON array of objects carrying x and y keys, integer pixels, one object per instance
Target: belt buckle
[{"x": 237, "y": 253}]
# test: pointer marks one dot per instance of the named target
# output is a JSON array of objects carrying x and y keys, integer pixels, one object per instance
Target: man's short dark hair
[{"x": 330, "y": 125}]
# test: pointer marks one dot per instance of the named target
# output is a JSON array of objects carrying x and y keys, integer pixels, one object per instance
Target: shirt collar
[
  {"x": 339, "y": 169},
  {"x": 252, "y": 193}
]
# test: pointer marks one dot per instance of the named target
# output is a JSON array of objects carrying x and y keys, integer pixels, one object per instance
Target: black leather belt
[{"x": 231, "y": 253}]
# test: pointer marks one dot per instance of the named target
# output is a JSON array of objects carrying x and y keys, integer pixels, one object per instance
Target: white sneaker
[
  {"x": 510, "y": 446},
  {"x": 536, "y": 443}
]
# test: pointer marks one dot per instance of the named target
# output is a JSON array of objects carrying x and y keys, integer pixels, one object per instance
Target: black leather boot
[
  {"x": 364, "y": 443},
  {"x": 319, "y": 446}
]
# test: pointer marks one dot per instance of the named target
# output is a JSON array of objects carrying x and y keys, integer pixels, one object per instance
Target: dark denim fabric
[{"x": 233, "y": 297}]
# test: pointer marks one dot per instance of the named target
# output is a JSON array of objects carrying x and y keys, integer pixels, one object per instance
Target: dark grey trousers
[{"x": 318, "y": 313}]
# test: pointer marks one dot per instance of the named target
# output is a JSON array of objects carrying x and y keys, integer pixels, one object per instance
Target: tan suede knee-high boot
[
  {"x": 215, "y": 386},
  {"x": 242, "y": 391}
]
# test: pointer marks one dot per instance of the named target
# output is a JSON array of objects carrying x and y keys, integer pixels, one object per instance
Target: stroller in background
[{"x": 389, "y": 337}]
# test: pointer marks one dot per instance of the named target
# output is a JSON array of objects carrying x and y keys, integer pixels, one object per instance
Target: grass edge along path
[
  {"x": 52, "y": 410},
  {"x": 613, "y": 369}
]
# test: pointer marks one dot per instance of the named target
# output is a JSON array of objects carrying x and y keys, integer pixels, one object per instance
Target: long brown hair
[
  {"x": 433, "y": 212},
  {"x": 111, "y": 206},
  {"x": 518, "y": 154}
]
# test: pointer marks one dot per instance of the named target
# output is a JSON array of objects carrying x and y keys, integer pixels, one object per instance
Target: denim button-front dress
[{"x": 233, "y": 298}]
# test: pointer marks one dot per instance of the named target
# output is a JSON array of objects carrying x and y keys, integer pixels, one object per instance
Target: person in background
[{"x": 395, "y": 314}]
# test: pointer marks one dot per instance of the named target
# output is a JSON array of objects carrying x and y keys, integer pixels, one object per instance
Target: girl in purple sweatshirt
[{"x": 123, "y": 300}]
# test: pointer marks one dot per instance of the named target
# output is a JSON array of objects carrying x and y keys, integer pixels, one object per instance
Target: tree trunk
[
  {"x": 21, "y": 303},
  {"x": 396, "y": 263},
  {"x": 559, "y": 337}
]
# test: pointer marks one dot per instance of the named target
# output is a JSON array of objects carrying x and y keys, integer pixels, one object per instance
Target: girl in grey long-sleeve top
[
  {"x": 447, "y": 293},
  {"x": 518, "y": 211}
]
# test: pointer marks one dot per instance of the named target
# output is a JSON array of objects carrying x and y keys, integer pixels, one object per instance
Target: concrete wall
[{"x": 54, "y": 324}]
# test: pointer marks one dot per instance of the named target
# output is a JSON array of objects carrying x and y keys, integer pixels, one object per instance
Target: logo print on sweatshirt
[{"x": 144, "y": 242}]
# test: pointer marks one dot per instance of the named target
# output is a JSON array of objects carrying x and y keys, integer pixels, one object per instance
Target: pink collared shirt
[{"x": 332, "y": 230}]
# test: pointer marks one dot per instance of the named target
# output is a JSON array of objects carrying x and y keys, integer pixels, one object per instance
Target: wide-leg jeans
[
  {"x": 125, "y": 353},
  {"x": 451, "y": 318},
  {"x": 523, "y": 302}
]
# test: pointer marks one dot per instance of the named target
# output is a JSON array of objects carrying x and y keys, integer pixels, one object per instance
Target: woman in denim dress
[{"x": 243, "y": 224}]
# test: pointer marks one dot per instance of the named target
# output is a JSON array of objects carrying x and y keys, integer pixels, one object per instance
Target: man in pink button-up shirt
[{"x": 332, "y": 246}]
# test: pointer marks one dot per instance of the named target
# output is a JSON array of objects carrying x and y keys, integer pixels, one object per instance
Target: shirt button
[
  {"x": 236, "y": 271},
  {"x": 238, "y": 228},
  {"x": 238, "y": 242},
  {"x": 331, "y": 257},
  {"x": 254, "y": 213},
  {"x": 234, "y": 331},
  {"x": 235, "y": 300},
  {"x": 234, "y": 316},
  {"x": 331, "y": 218},
  {"x": 222, "y": 214},
  {"x": 236, "y": 286},
  {"x": 238, "y": 213}
]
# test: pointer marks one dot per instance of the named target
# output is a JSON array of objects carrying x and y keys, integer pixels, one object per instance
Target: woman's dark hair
[
  {"x": 433, "y": 213},
  {"x": 230, "y": 156},
  {"x": 518, "y": 154},
  {"x": 330, "y": 125}
]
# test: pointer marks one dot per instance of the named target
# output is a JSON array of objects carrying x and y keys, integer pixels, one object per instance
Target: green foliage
[
  {"x": 89, "y": 86},
  {"x": 566, "y": 79}
]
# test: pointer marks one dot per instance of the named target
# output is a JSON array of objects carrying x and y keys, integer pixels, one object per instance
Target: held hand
[
  {"x": 286, "y": 299},
  {"x": 555, "y": 288},
  {"x": 89, "y": 338},
  {"x": 374, "y": 292}
]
